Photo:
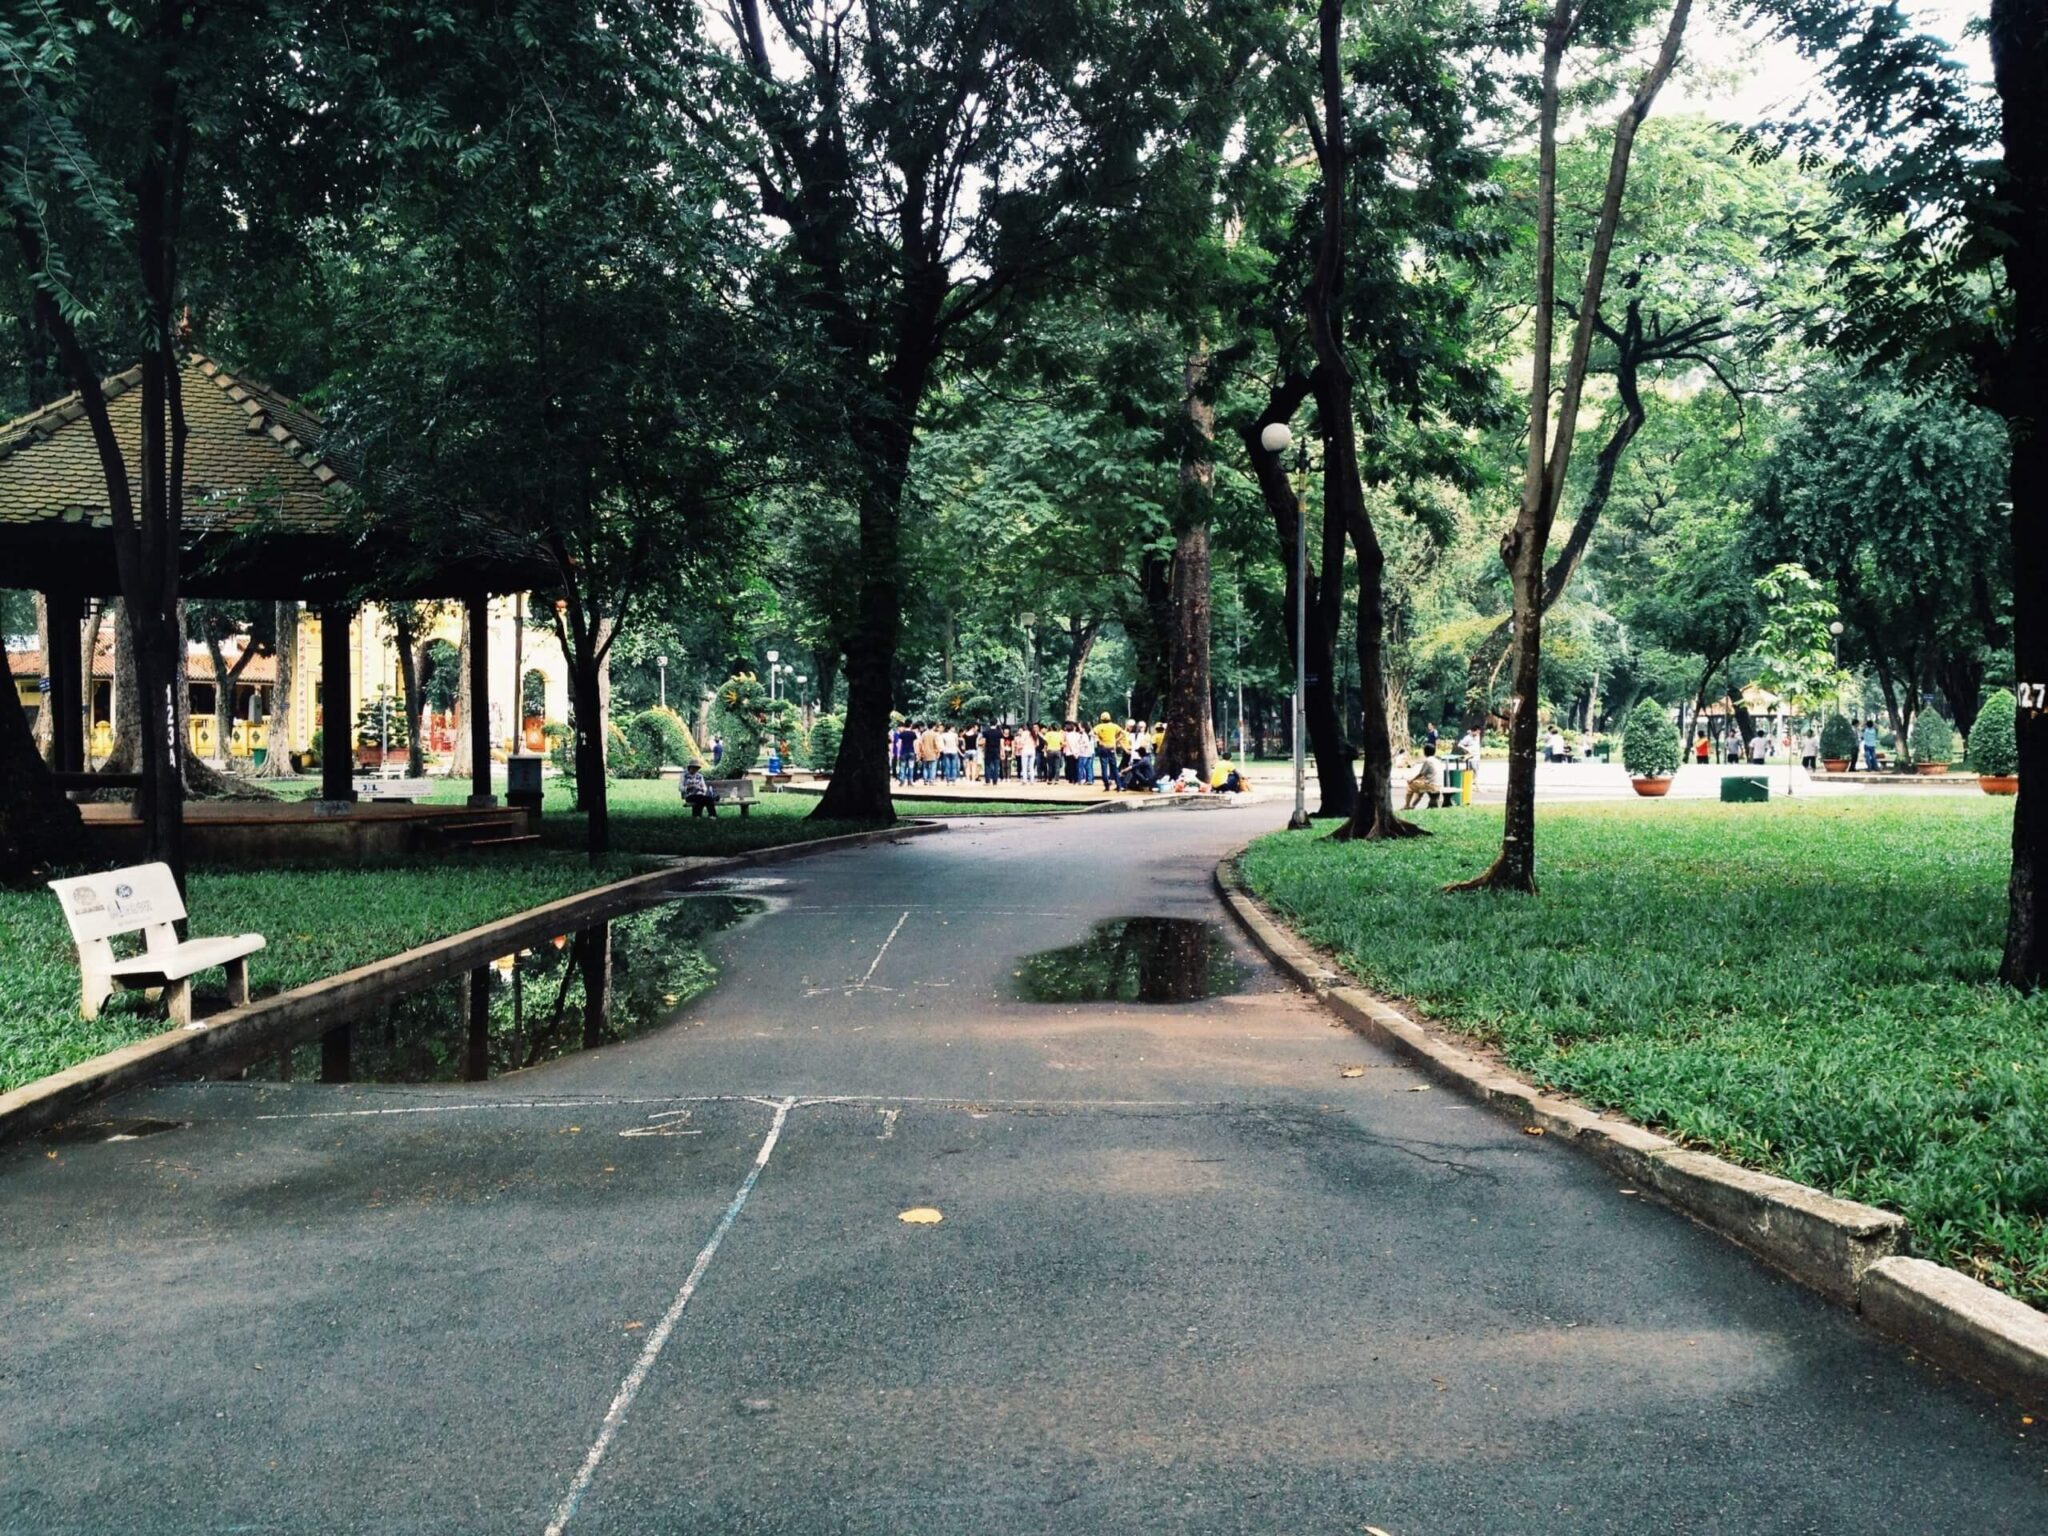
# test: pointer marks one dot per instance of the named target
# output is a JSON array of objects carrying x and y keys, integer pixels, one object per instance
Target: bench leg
[
  {"x": 93, "y": 992},
  {"x": 238, "y": 982},
  {"x": 178, "y": 996},
  {"x": 744, "y": 808}
]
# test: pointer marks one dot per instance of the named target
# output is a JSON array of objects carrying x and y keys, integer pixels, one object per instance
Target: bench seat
[{"x": 145, "y": 900}]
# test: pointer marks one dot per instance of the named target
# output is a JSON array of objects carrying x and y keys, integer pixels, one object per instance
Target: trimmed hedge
[
  {"x": 1933, "y": 739},
  {"x": 1994, "y": 739},
  {"x": 1649, "y": 742},
  {"x": 1838, "y": 740}
]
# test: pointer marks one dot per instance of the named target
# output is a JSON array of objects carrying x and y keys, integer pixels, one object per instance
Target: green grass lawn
[
  {"x": 1807, "y": 988},
  {"x": 319, "y": 922}
]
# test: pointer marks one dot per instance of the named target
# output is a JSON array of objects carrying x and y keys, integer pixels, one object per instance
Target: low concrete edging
[
  {"x": 1845, "y": 1250},
  {"x": 238, "y": 1036}
]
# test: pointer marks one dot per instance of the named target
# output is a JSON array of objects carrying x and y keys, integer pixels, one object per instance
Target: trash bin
[
  {"x": 1454, "y": 783},
  {"x": 522, "y": 780},
  {"x": 1745, "y": 789}
]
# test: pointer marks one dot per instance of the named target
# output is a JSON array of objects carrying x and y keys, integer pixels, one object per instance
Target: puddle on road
[
  {"x": 576, "y": 992},
  {"x": 1135, "y": 960}
]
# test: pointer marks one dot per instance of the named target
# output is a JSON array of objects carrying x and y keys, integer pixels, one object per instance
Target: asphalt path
[{"x": 1190, "y": 1276}]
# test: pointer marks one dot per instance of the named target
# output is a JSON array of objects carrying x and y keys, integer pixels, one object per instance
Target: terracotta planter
[
  {"x": 1930, "y": 769},
  {"x": 1999, "y": 784},
  {"x": 1654, "y": 788},
  {"x": 1835, "y": 764}
]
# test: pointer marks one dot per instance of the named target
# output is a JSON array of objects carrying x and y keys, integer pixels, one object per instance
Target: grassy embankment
[{"x": 1805, "y": 988}]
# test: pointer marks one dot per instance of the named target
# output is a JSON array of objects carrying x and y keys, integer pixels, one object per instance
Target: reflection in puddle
[
  {"x": 575, "y": 992},
  {"x": 1135, "y": 960}
]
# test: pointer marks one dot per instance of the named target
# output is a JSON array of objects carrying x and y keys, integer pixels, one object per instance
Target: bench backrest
[
  {"x": 393, "y": 789},
  {"x": 733, "y": 789},
  {"x": 119, "y": 901}
]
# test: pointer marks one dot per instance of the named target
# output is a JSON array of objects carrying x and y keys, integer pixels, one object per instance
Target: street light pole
[
  {"x": 1030, "y": 664},
  {"x": 774, "y": 666},
  {"x": 662, "y": 663},
  {"x": 1276, "y": 439}
]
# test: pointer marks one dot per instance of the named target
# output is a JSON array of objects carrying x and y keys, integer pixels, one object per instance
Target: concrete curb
[
  {"x": 1844, "y": 1250},
  {"x": 1962, "y": 1324},
  {"x": 238, "y": 1036}
]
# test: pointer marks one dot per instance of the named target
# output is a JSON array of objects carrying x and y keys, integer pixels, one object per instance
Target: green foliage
[
  {"x": 653, "y": 739},
  {"x": 1994, "y": 741},
  {"x": 1811, "y": 992},
  {"x": 1933, "y": 739},
  {"x": 826, "y": 732},
  {"x": 381, "y": 722},
  {"x": 1649, "y": 743},
  {"x": 741, "y": 714},
  {"x": 1837, "y": 740}
]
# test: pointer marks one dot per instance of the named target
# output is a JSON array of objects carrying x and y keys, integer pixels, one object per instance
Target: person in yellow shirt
[
  {"x": 1106, "y": 733},
  {"x": 1049, "y": 750}
]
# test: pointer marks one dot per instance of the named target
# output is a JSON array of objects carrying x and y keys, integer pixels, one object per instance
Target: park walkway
[{"x": 1194, "y": 1274}]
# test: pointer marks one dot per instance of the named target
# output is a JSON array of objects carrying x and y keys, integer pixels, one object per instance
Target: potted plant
[
  {"x": 1994, "y": 746},
  {"x": 1933, "y": 741},
  {"x": 1837, "y": 744},
  {"x": 1649, "y": 748}
]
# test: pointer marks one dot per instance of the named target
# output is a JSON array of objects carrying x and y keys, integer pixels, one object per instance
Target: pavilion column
[
  {"x": 64, "y": 612},
  {"x": 478, "y": 724},
  {"x": 337, "y": 717}
]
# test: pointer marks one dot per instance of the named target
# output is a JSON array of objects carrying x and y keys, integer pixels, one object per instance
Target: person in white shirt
[
  {"x": 1469, "y": 746},
  {"x": 1428, "y": 781},
  {"x": 949, "y": 754},
  {"x": 1759, "y": 749},
  {"x": 1553, "y": 745}
]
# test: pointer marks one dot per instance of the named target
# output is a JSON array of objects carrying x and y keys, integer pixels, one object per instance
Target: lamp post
[
  {"x": 1030, "y": 664},
  {"x": 774, "y": 667},
  {"x": 662, "y": 663},
  {"x": 1276, "y": 439},
  {"x": 803, "y": 703}
]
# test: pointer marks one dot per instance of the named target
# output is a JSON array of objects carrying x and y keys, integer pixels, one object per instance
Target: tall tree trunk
[
  {"x": 281, "y": 732},
  {"x": 1337, "y": 788},
  {"x": 2019, "y": 63},
  {"x": 1550, "y": 451},
  {"x": 406, "y": 640},
  {"x": 39, "y": 828},
  {"x": 859, "y": 789},
  {"x": 825, "y": 668},
  {"x": 1486, "y": 661},
  {"x": 1190, "y": 724},
  {"x": 459, "y": 756},
  {"x": 46, "y": 711},
  {"x": 1147, "y": 623},
  {"x": 1080, "y": 641},
  {"x": 1344, "y": 509}
]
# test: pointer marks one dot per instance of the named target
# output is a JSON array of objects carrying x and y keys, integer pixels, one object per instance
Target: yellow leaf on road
[
  {"x": 1352, "y": 1072},
  {"x": 921, "y": 1216}
]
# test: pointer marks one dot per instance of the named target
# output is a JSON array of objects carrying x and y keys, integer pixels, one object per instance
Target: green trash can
[
  {"x": 1745, "y": 789},
  {"x": 1454, "y": 786}
]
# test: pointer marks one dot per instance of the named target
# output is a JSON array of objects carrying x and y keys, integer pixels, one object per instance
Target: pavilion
[{"x": 269, "y": 514}]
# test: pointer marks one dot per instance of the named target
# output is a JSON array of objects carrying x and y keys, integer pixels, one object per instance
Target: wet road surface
[{"x": 1188, "y": 1276}]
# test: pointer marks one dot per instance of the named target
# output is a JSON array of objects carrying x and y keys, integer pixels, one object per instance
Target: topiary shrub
[
  {"x": 1994, "y": 739},
  {"x": 654, "y": 739},
  {"x": 1649, "y": 742},
  {"x": 740, "y": 714},
  {"x": 1837, "y": 740},
  {"x": 1933, "y": 739},
  {"x": 826, "y": 732}
]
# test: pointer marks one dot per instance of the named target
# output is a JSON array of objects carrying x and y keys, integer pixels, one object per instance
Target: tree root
[
  {"x": 1386, "y": 826},
  {"x": 1499, "y": 876}
]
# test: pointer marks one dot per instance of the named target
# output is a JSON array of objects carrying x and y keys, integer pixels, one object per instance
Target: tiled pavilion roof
[{"x": 267, "y": 513}]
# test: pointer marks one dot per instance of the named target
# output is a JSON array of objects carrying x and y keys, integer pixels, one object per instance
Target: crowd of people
[{"x": 1116, "y": 756}]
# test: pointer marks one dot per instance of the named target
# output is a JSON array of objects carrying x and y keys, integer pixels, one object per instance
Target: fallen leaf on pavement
[
  {"x": 1352, "y": 1072},
  {"x": 1532, "y": 1130},
  {"x": 1416, "y": 1088},
  {"x": 921, "y": 1216},
  {"x": 1624, "y": 1191},
  {"x": 631, "y": 1326}
]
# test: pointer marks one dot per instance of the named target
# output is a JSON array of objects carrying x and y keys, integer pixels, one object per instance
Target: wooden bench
[
  {"x": 392, "y": 789},
  {"x": 739, "y": 792},
  {"x": 145, "y": 900}
]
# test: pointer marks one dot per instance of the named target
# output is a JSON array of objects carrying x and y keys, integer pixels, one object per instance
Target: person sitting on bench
[
  {"x": 1428, "y": 780},
  {"x": 698, "y": 794}
]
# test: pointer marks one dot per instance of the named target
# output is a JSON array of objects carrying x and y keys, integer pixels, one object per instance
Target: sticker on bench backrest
[{"x": 119, "y": 901}]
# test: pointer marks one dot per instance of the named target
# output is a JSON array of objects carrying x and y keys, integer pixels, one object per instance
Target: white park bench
[
  {"x": 739, "y": 792},
  {"x": 393, "y": 789},
  {"x": 145, "y": 900}
]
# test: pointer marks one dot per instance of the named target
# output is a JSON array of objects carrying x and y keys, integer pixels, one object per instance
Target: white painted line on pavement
[
  {"x": 872, "y": 964},
  {"x": 615, "y": 1416},
  {"x": 446, "y": 1109}
]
